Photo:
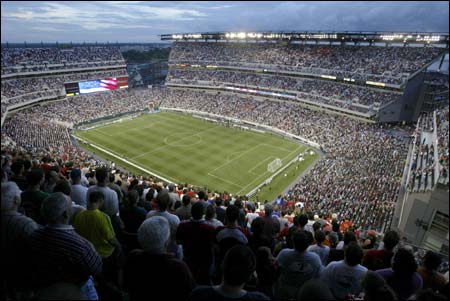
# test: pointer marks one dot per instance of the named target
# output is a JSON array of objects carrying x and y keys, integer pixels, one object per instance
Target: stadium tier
[{"x": 261, "y": 119}]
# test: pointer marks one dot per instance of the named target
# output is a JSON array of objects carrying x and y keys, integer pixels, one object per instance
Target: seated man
[
  {"x": 165, "y": 275},
  {"x": 238, "y": 266}
]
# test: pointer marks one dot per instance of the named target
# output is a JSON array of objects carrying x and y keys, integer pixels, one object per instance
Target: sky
[{"x": 143, "y": 21}]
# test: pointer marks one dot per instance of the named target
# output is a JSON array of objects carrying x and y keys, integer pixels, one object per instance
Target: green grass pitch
[{"x": 186, "y": 149}]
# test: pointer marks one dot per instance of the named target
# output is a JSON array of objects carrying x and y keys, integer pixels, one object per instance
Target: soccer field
[{"x": 186, "y": 149}]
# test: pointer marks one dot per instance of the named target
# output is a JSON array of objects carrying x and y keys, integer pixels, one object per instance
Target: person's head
[
  {"x": 17, "y": 168},
  {"x": 95, "y": 200},
  {"x": 319, "y": 236},
  {"x": 232, "y": 214},
  {"x": 63, "y": 186},
  {"x": 35, "y": 177},
  {"x": 375, "y": 288},
  {"x": 163, "y": 200},
  {"x": 258, "y": 226},
  {"x": 317, "y": 226},
  {"x": 251, "y": 208},
  {"x": 132, "y": 198},
  {"x": 218, "y": 202},
  {"x": 431, "y": 260},
  {"x": 153, "y": 234},
  {"x": 101, "y": 174},
  {"x": 210, "y": 212},
  {"x": 302, "y": 239},
  {"x": 353, "y": 254},
  {"x": 333, "y": 239},
  {"x": 314, "y": 289},
  {"x": 349, "y": 237},
  {"x": 268, "y": 209},
  {"x": 302, "y": 220},
  {"x": 149, "y": 195},
  {"x": 171, "y": 187},
  {"x": 335, "y": 226},
  {"x": 404, "y": 264},
  {"x": 238, "y": 203},
  {"x": 201, "y": 195},
  {"x": 390, "y": 240},
  {"x": 238, "y": 265},
  {"x": 197, "y": 211},
  {"x": 75, "y": 175},
  {"x": 56, "y": 208},
  {"x": 10, "y": 196},
  {"x": 310, "y": 215},
  {"x": 186, "y": 200}
]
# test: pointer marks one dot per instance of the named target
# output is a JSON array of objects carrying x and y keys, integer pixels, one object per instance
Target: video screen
[{"x": 99, "y": 85}]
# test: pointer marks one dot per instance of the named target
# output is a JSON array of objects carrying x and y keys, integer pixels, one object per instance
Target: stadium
[{"x": 259, "y": 154}]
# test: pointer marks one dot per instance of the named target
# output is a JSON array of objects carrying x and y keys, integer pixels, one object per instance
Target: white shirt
[{"x": 250, "y": 218}]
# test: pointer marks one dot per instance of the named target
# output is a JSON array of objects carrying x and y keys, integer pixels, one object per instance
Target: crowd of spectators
[
  {"x": 343, "y": 92},
  {"x": 443, "y": 137},
  {"x": 358, "y": 176},
  {"x": 15, "y": 60},
  {"x": 58, "y": 246},
  {"x": 385, "y": 64}
]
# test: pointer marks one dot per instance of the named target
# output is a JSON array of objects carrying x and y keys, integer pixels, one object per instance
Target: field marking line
[
  {"x": 224, "y": 180},
  {"x": 257, "y": 165},
  {"x": 168, "y": 145},
  {"x": 137, "y": 164},
  {"x": 287, "y": 156},
  {"x": 228, "y": 162},
  {"x": 149, "y": 126}
]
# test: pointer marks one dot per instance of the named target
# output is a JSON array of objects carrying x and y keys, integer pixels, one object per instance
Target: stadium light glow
[
  {"x": 328, "y": 76},
  {"x": 375, "y": 84}
]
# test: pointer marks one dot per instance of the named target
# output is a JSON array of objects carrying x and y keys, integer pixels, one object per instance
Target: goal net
[{"x": 274, "y": 165}]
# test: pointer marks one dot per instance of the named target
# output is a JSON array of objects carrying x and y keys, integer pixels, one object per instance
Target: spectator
[
  {"x": 381, "y": 259},
  {"x": 169, "y": 278},
  {"x": 265, "y": 270},
  {"x": 33, "y": 197},
  {"x": 197, "y": 238},
  {"x": 375, "y": 288},
  {"x": 258, "y": 239},
  {"x": 132, "y": 215},
  {"x": 295, "y": 267},
  {"x": 338, "y": 254},
  {"x": 344, "y": 277},
  {"x": 315, "y": 290},
  {"x": 271, "y": 224},
  {"x": 163, "y": 201},
  {"x": 220, "y": 210},
  {"x": 251, "y": 215},
  {"x": 319, "y": 248},
  {"x": 79, "y": 192},
  {"x": 429, "y": 272},
  {"x": 210, "y": 215},
  {"x": 64, "y": 187},
  {"x": 184, "y": 212},
  {"x": 402, "y": 277},
  {"x": 57, "y": 253},
  {"x": 174, "y": 197},
  {"x": 238, "y": 266}
]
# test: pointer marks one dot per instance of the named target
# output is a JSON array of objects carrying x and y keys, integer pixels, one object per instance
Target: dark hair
[
  {"x": 316, "y": 226},
  {"x": 302, "y": 220},
  {"x": 349, "y": 236},
  {"x": 238, "y": 203},
  {"x": 238, "y": 265},
  {"x": 35, "y": 176},
  {"x": 353, "y": 254},
  {"x": 218, "y": 202},
  {"x": 430, "y": 295},
  {"x": 186, "y": 200},
  {"x": 232, "y": 213},
  {"x": 201, "y": 195},
  {"x": 101, "y": 174},
  {"x": 315, "y": 289},
  {"x": 391, "y": 239},
  {"x": 268, "y": 209},
  {"x": 150, "y": 194},
  {"x": 302, "y": 239},
  {"x": 258, "y": 226},
  {"x": 27, "y": 164},
  {"x": 96, "y": 196},
  {"x": 197, "y": 210},
  {"x": 111, "y": 177},
  {"x": 404, "y": 264},
  {"x": 376, "y": 288},
  {"x": 17, "y": 167},
  {"x": 209, "y": 212},
  {"x": 63, "y": 186},
  {"x": 132, "y": 197},
  {"x": 335, "y": 226},
  {"x": 319, "y": 236},
  {"x": 431, "y": 260},
  {"x": 163, "y": 200}
]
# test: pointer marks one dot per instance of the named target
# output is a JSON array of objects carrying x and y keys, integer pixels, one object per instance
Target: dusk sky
[{"x": 142, "y": 21}]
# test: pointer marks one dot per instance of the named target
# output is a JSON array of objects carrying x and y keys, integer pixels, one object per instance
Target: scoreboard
[{"x": 98, "y": 85}]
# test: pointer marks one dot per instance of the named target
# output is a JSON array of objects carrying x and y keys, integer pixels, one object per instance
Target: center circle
[{"x": 183, "y": 139}]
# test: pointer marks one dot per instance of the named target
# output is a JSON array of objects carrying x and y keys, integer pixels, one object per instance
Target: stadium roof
[{"x": 346, "y": 36}]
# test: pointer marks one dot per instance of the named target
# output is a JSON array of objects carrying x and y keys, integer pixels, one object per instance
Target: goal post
[{"x": 274, "y": 165}]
